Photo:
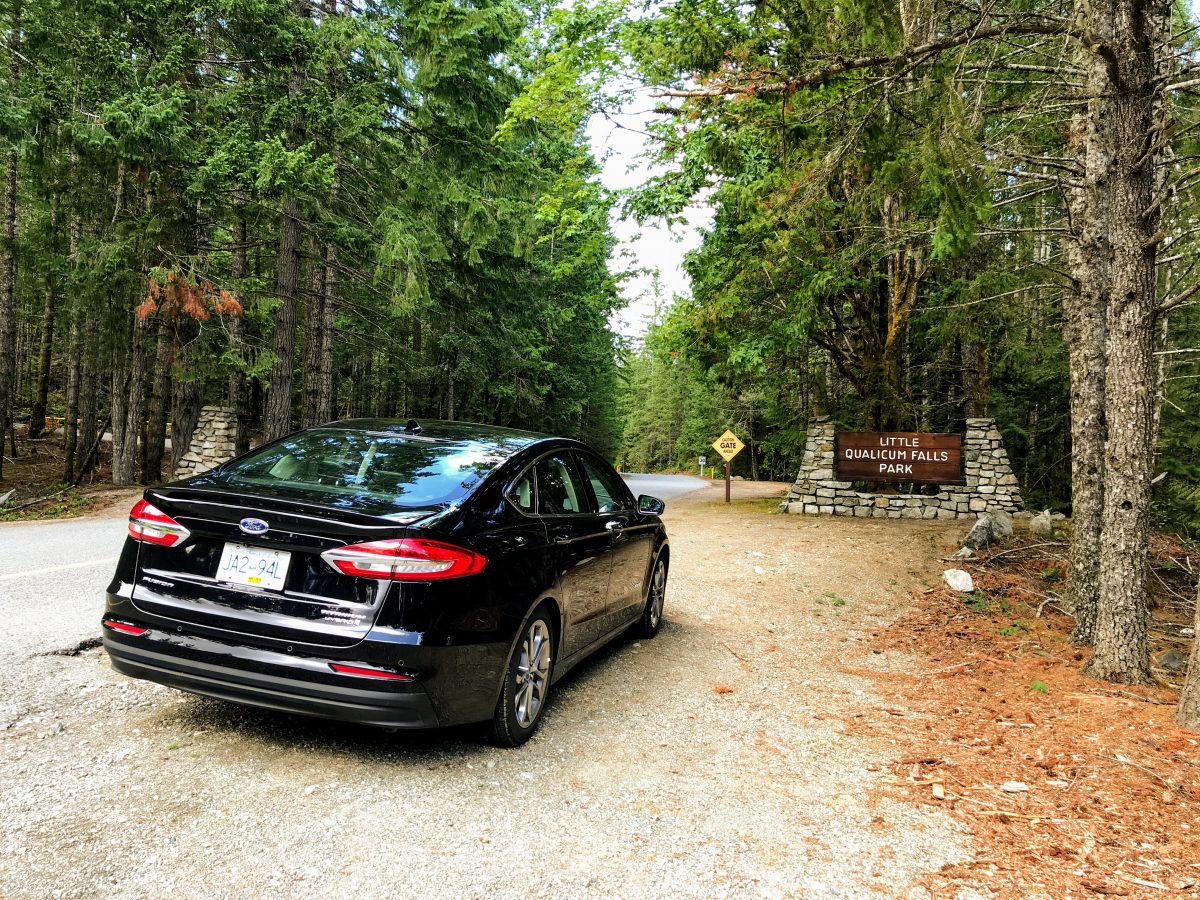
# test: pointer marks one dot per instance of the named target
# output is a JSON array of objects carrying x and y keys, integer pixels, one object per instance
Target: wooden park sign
[
  {"x": 728, "y": 445},
  {"x": 898, "y": 456}
]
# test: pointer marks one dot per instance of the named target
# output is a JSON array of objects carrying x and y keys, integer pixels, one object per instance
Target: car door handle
[{"x": 614, "y": 525}]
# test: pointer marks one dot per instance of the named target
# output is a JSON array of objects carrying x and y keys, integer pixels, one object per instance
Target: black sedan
[{"x": 388, "y": 573}]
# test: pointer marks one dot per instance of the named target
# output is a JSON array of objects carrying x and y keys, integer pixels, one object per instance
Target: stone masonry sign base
[
  {"x": 212, "y": 442},
  {"x": 990, "y": 483}
]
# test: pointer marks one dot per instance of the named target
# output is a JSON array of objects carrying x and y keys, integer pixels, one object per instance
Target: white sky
[{"x": 619, "y": 144}]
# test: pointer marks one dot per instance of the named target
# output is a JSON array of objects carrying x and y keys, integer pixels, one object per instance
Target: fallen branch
[{"x": 36, "y": 501}]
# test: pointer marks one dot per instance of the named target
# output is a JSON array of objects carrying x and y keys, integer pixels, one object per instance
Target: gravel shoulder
[{"x": 710, "y": 761}]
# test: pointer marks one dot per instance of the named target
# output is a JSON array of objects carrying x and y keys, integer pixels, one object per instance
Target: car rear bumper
[{"x": 285, "y": 682}]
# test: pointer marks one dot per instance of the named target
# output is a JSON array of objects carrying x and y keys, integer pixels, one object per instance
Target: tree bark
[
  {"x": 125, "y": 453},
  {"x": 8, "y": 269},
  {"x": 287, "y": 285},
  {"x": 1188, "y": 713},
  {"x": 287, "y": 279},
  {"x": 314, "y": 320},
  {"x": 160, "y": 402},
  {"x": 70, "y": 423},
  {"x": 324, "y": 399},
  {"x": 185, "y": 396},
  {"x": 237, "y": 391},
  {"x": 89, "y": 402},
  {"x": 325, "y": 396},
  {"x": 1129, "y": 43},
  {"x": 41, "y": 385}
]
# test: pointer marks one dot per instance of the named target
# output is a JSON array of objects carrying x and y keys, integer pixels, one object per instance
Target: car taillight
[
  {"x": 405, "y": 559},
  {"x": 150, "y": 525}
]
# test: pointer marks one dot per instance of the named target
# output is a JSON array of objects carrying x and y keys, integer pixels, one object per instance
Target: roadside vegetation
[{"x": 298, "y": 209}]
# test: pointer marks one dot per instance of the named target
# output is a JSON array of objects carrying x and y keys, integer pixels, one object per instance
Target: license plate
[{"x": 253, "y": 566}]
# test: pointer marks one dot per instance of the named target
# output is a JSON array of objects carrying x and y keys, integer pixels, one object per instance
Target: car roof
[{"x": 498, "y": 439}]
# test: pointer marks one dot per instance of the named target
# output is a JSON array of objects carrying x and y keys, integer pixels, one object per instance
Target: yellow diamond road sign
[{"x": 728, "y": 445}]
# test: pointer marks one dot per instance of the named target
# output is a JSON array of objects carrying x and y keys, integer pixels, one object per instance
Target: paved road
[
  {"x": 52, "y": 579},
  {"x": 664, "y": 487}
]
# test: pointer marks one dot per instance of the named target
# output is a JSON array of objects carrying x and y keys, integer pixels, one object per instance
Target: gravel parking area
[{"x": 710, "y": 761}]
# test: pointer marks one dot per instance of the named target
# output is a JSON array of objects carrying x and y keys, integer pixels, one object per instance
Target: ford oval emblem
[{"x": 250, "y": 525}]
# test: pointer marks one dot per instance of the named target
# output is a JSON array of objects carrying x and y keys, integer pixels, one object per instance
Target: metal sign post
[
  {"x": 728, "y": 446},
  {"x": 703, "y": 460}
]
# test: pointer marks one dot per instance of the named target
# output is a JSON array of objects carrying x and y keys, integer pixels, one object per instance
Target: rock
[
  {"x": 1002, "y": 523},
  {"x": 1042, "y": 525},
  {"x": 958, "y": 580},
  {"x": 980, "y": 535},
  {"x": 963, "y": 553},
  {"x": 1173, "y": 661}
]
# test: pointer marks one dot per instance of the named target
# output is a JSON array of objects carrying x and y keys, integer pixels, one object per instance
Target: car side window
[
  {"x": 559, "y": 491},
  {"x": 611, "y": 493},
  {"x": 521, "y": 493}
]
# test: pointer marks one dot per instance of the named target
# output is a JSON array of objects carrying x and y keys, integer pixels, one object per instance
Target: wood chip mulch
[{"x": 1072, "y": 787}]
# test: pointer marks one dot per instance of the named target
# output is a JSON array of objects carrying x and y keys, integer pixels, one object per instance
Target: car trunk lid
[{"x": 315, "y": 604}]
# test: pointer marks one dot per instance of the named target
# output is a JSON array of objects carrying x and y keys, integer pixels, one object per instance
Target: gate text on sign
[{"x": 898, "y": 456}]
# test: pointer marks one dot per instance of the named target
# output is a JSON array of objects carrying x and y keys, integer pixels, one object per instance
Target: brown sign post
[
  {"x": 729, "y": 446},
  {"x": 898, "y": 456}
]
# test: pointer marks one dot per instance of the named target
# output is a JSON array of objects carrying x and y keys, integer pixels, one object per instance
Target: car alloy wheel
[
  {"x": 656, "y": 595},
  {"x": 526, "y": 682},
  {"x": 533, "y": 673}
]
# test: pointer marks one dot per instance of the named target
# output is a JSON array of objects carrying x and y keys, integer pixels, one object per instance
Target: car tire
[
  {"x": 527, "y": 679},
  {"x": 656, "y": 594}
]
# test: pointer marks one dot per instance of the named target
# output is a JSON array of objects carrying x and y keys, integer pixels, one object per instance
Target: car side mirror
[{"x": 650, "y": 506}]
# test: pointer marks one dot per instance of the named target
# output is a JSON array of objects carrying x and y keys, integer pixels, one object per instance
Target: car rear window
[{"x": 376, "y": 472}]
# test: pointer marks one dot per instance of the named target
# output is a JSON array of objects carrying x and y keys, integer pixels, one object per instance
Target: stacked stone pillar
[
  {"x": 990, "y": 484},
  {"x": 212, "y": 441}
]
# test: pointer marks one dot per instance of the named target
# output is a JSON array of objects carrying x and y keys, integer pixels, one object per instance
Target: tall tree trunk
[
  {"x": 125, "y": 454},
  {"x": 287, "y": 279},
  {"x": 185, "y": 395},
  {"x": 1085, "y": 309},
  {"x": 237, "y": 392},
  {"x": 41, "y": 385},
  {"x": 118, "y": 406},
  {"x": 325, "y": 411},
  {"x": 74, "y": 375},
  {"x": 1129, "y": 43},
  {"x": 314, "y": 320},
  {"x": 89, "y": 402},
  {"x": 160, "y": 402},
  {"x": 324, "y": 400},
  {"x": 287, "y": 287},
  {"x": 8, "y": 268}
]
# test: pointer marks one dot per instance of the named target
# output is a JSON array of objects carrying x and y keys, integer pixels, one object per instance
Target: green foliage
[{"x": 472, "y": 274}]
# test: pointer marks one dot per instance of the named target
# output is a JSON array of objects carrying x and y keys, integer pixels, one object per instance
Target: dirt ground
[{"x": 781, "y": 737}]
